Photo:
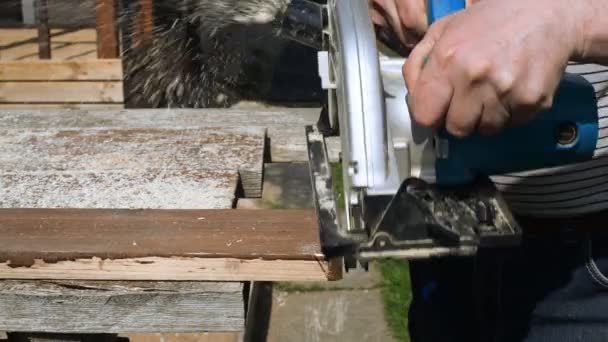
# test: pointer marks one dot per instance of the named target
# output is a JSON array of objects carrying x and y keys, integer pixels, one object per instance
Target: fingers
[
  {"x": 413, "y": 15},
  {"x": 419, "y": 55},
  {"x": 494, "y": 115},
  {"x": 431, "y": 96},
  {"x": 430, "y": 89},
  {"x": 464, "y": 111},
  {"x": 406, "y": 18}
]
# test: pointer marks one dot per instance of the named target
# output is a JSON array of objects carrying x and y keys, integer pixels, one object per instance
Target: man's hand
[
  {"x": 497, "y": 63},
  {"x": 406, "y": 18}
]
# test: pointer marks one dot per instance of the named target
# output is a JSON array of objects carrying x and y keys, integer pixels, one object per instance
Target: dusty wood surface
[
  {"x": 108, "y": 307},
  {"x": 285, "y": 127},
  {"x": 60, "y": 70},
  {"x": 129, "y": 168},
  {"x": 107, "y": 29}
]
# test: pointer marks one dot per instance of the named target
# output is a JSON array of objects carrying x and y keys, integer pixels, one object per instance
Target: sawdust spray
[{"x": 201, "y": 53}]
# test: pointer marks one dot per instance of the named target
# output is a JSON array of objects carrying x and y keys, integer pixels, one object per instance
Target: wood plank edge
[{"x": 174, "y": 269}]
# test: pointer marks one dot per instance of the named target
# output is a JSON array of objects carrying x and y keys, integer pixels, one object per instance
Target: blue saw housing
[
  {"x": 532, "y": 146},
  {"x": 440, "y": 8}
]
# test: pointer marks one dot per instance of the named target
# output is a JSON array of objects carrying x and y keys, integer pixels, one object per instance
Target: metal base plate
[{"x": 420, "y": 221}]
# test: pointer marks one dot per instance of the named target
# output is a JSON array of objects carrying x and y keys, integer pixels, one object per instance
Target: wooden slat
[
  {"x": 225, "y": 245},
  {"x": 61, "y": 92},
  {"x": 117, "y": 307},
  {"x": 57, "y": 70},
  {"x": 107, "y": 29}
]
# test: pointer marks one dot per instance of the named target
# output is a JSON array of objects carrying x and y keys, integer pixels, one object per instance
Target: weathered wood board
[
  {"x": 126, "y": 168},
  {"x": 120, "y": 307},
  {"x": 53, "y": 235},
  {"x": 218, "y": 245},
  {"x": 285, "y": 126}
]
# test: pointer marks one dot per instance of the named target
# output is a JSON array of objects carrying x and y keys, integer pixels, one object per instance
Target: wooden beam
[
  {"x": 119, "y": 307},
  {"x": 58, "y": 70},
  {"x": 61, "y": 92},
  {"x": 107, "y": 29},
  {"x": 44, "y": 36}
]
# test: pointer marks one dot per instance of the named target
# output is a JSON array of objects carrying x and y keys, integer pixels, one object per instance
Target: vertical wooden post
[
  {"x": 107, "y": 29},
  {"x": 144, "y": 22},
  {"x": 44, "y": 34}
]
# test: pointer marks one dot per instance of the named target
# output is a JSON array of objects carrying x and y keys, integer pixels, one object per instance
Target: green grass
[{"x": 396, "y": 294}]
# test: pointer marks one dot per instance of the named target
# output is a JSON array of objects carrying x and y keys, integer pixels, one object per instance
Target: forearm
[{"x": 593, "y": 46}]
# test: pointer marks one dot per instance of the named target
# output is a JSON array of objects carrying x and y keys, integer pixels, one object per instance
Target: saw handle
[{"x": 566, "y": 133}]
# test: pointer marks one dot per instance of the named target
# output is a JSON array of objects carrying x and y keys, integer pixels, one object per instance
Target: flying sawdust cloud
[{"x": 200, "y": 53}]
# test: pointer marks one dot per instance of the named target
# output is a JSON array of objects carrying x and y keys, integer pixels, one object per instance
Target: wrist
[{"x": 591, "y": 26}]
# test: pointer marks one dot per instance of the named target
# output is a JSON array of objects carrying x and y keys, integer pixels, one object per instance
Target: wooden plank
[
  {"x": 126, "y": 168},
  {"x": 58, "y": 70},
  {"x": 44, "y": 35},
  {"x": 107, "y": 29},
  {"x": 153, "y": 189},
  {"x": 216, "y": 245},
  {"x": 285, "y": 127},
  {"x": 175, "y": 269},
  {"x": 131, "y": 149},
  {"x": 61, "y": 92},
  {"x": 57, "y": 234},
  {"x": 120, "y": 307}
]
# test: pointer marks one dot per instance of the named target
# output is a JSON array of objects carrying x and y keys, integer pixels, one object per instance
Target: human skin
[{"x": 495, "y": 64}]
